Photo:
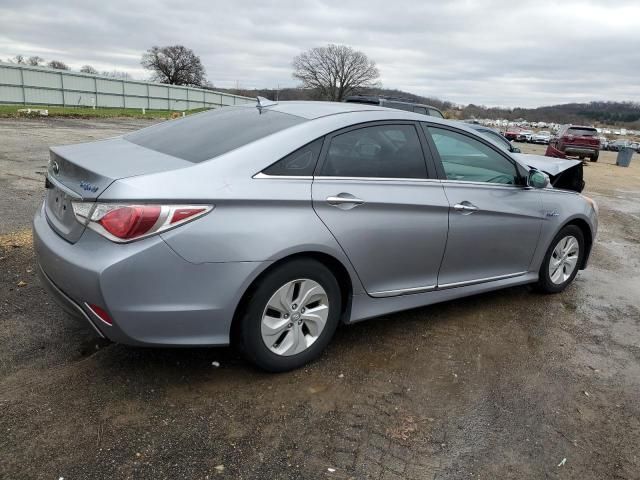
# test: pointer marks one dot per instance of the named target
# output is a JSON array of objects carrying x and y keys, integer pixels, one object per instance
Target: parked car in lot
[
  {"x": 267, "y": 227},
  {"x": 399, "y": 104},
  {"x": 604, "y": 143},
  {"x": 617, "y": 145},
  {"x": 578, "y": 141},
  {"x": 495, "y": 136},
  {"x": 511, "y": 133},
  {"x": 524, "y": 136},
  {"x": 542, "y": 137}
]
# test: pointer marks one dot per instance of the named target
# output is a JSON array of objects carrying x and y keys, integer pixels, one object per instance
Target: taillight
[{"x": 125, "y": 223}]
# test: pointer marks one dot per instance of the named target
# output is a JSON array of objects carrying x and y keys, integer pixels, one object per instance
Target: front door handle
[
  {"x": 465, "y": 207},
  {"x": 344, "y": 200}
]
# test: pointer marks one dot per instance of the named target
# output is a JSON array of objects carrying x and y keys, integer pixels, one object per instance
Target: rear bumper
[
  {"x": 580, "y": 150},
  {"x": 153, "y": 295},
  {"x": 64, "y": 301}
]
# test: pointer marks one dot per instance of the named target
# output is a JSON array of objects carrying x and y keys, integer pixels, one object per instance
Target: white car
[
  {"x": 542, "y": 136},
  {"x": 524, "y": 136}
]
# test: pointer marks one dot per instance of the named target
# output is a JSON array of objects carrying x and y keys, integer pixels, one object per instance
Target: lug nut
[
  {"x": 290, "y": 325},
  {"x": 294, "y": 306},
  {"x": 302, "y": 310},
  {"x": 286, "y": 315}
]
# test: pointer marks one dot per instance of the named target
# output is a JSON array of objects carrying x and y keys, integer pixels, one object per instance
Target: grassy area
[{"x": 8, "y": 111}]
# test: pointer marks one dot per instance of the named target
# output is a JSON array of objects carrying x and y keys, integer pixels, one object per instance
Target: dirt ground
[{"x": 511, "y": 384}]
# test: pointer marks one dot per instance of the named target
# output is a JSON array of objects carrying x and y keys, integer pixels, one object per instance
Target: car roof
[{"x": 312, "y": 110}]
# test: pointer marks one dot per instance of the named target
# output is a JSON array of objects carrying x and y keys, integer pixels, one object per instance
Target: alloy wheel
[
  {"x": 294, "y": 317},
  {"x": 564, "y": 259}
]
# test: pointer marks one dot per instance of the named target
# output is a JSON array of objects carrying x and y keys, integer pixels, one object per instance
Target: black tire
[
  {"x": 249, "y": 336},
  {"x": 594, "y": 157},
  {"x": 545, "y": 284}
]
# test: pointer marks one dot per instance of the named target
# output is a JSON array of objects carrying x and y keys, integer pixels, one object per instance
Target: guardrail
[{"x": 22, "y": 84}]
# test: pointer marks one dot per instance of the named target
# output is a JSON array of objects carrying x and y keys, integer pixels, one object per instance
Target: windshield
[{"x": 197, "y": 138}]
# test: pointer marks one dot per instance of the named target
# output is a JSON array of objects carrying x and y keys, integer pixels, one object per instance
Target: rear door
[
  {"x": 375, "y": 193},
  {"x": 494, "y": 221}
]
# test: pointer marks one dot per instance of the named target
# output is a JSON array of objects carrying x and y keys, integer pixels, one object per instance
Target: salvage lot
[{"x": 502, "y": 385}]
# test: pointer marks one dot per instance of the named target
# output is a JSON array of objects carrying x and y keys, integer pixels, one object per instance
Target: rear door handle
[
  {"x": 344, "y": 200},
  {"x": 465, "y": 207}
]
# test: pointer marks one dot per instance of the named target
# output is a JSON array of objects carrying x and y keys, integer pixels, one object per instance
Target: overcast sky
[{"x": 508, "y": 53}]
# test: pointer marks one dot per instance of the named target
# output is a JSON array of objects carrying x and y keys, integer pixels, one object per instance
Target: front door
[
  {"x": 494, "y": 220},
  {"x": 373, "y": 193}
]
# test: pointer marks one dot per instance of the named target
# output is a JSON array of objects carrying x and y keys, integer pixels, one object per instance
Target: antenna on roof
[{"x": 264, "y": 102}]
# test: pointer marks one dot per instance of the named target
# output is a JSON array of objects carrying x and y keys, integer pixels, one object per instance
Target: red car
[
  {"x": 512, "y": 133},
  {"x": 578, "y": 141}
]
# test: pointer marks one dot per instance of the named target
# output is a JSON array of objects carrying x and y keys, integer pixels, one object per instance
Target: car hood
[{"x": 549, "y": 165}]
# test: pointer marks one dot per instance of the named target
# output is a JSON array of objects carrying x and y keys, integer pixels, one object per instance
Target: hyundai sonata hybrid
[{"x": 265, "y": 226}]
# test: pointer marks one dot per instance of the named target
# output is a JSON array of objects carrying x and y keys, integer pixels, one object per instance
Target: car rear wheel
[
  {"x": 562, "y": 260},
  {"x": 594, "y": 157},
  {"x": 290, "y": 316}
]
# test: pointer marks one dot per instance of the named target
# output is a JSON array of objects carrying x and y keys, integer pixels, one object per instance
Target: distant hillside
[
  {"x": 598, "y": 113},
  {"x": 626, "y": 114}
]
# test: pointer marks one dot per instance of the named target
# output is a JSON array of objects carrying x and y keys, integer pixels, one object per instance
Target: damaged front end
[{"x": 564, "y": 174}]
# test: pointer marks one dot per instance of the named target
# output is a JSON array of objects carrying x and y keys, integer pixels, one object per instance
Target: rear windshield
[
  {"x": 206, "y": 135},
  {"x": 582, "y": 132}
]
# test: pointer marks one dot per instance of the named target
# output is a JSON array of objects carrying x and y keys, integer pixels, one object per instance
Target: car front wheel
[
  {"x": 562, "y": 260},
  {"x": 290, "y": 316}
]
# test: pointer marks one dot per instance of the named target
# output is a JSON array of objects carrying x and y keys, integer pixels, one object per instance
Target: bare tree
[
  {"x": 175, "y": 65},
  {"x": 35, "y": 61},
  {"x": 335, "y": 71},
  {"x": 58, "y": 65},
  {"x": 88, "y": 69},
  {"x": 19, "y": 59}
]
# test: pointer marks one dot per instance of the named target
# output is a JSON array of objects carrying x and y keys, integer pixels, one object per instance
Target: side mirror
[
  {"x": 515, "y": 150},
  {"x": 538, "y": 179}
]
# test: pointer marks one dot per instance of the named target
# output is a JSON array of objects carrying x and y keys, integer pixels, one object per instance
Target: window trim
[
  {"x": 431, "y": 173},
  {"x": 521, "y": 181}
]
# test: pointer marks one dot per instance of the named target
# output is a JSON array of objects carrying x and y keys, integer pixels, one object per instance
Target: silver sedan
[{"x": 266, "y": 226}]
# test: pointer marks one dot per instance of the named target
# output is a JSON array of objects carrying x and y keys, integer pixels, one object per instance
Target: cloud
[{"x": 491, "y": 52}]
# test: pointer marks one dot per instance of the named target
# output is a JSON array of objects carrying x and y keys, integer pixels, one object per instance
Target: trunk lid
[{"x": 82, "y": 172}]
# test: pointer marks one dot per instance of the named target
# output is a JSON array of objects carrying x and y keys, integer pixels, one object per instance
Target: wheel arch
[
  {"x": 587, "y": 233},
  {"x": 338, "y": 269}
]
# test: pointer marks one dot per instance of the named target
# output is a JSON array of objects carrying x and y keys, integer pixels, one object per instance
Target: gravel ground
[{"x": 511, "y": 384}]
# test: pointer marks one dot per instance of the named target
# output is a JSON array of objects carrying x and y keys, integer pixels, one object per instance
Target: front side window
[
  {"x": 498, "y": 139},
  {"x": 469, "y": 160},
  {"x": 384, "y": 151}
]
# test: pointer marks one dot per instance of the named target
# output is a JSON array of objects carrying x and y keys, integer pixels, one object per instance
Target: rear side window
[
  {"x": 582, "y": 132},
  {"x": 197, "y": 138},
  {"x": 300, "y": 163},
  {"x": 421, "y": 110},
  {"x": 382, "y": 151},
  {"x": 435, "y": 113}
]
